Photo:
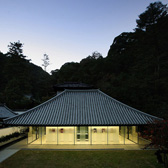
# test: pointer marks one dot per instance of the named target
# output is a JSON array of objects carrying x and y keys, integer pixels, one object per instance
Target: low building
[
  {"x": 82, "y": 117},
  {"x": 5, "y": 113}
]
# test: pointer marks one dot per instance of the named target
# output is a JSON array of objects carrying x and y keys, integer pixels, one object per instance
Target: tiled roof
[
  {"x": 82, "y": 107},
  {"x": 5, "y": 112}
]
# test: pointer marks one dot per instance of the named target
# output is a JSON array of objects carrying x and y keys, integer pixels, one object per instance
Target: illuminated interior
[{"x": 83, "y": 135}]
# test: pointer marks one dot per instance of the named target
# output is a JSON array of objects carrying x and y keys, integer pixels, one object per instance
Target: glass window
[
  {"x": 86, "y": 136},
  {"x": 34, "y": 130},
  {"x": 44, "y": 130},
  {"x": 78, "y": 137},
  {"x": 130, "y": 129},
  {"x": 78, "y": 129},
  {"x": 119, "y": 130},
  {"x": 82, "y": 133},
  {"x": 86, "y": 129}
]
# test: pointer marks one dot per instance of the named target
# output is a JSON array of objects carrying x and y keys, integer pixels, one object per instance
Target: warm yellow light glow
[{"x": 83, "y": 135}]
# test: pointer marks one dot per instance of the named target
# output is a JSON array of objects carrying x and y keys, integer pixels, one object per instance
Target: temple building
[{"x": 82, "y": 116}]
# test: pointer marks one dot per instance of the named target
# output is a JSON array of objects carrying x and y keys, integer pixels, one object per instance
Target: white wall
[
  {"x": 67, "y": 137},
  {"x": 99, "y": 135},
  {"x": 10, "y": 130},
  {"x": 113, "y": 135},
  {"x": 51, "y": 135}
]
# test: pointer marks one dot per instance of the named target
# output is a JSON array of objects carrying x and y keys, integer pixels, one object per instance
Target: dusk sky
[{"x": 66, "y": 30}]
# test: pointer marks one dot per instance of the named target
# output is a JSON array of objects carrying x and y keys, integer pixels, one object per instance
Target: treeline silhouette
[{"x": 135, "y": 70}]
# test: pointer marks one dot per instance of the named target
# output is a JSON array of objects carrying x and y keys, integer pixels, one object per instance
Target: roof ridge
[
  {"x": 136, "y": 110},
  {"x": 77, "y": 90}
]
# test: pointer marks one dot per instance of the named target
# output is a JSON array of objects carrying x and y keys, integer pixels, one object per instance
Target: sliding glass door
[{"x": 82, "y": 133}]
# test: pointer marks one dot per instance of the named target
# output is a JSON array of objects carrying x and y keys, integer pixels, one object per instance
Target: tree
[
  {"x": 155, "y": 11},
  {"x": 15, "y": 50},
  {"x": 13, "y": 93},
  {"x": 157, "y": 133},
  {"x": 96, "y": 55},
  {"x": 45, "y": 61}
]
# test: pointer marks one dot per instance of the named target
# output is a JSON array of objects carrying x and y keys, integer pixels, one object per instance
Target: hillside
[
  {"x": 135, "y": 70},
  {"x": 22, "y": 84}
]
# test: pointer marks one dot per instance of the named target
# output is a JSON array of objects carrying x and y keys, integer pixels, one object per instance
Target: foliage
[
  {"x": 45, "y": 61},
  {"x": 8, "y": 137},
  {"x": 23, "y": 84},
  {"x": 157, "y": 133},
  {"x": 15, "y": 50},
  {"x": 155, "y": 11},
  {"x": 135, "y": 69}
]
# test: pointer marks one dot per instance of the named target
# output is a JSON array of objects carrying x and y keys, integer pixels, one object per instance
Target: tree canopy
[
  {"x": 135, "y": 69},
  {"x": 15, "y": 50},
  {"x": 23, "y": 84},
  {"x": 155, "y": 11}
]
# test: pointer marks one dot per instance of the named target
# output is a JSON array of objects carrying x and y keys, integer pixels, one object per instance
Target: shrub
[{"x": 8, "y": 137}]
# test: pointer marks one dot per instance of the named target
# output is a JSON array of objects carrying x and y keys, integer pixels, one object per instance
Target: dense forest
[
  {"x": 22, "y": 84},
  {"x": 135, "y": 70}
]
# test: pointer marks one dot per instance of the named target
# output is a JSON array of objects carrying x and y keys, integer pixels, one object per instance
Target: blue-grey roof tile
[
  {"x": 82, "y": 107},
  {"x": 5, "y": 112}
]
